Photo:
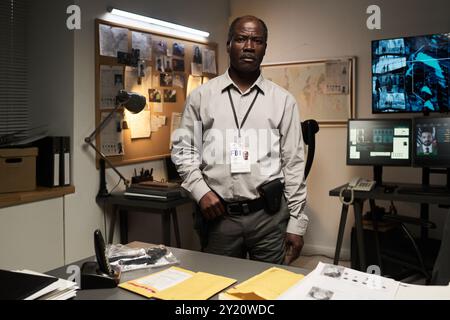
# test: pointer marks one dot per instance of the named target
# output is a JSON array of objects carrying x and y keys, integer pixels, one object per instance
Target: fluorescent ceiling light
[{"x": 163, "y": 26}]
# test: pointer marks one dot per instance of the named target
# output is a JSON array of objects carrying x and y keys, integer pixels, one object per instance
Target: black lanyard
[{"x": 246, "y": 115}]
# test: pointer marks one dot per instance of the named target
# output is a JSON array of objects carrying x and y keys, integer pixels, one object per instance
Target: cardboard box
[{"x": 18, "y": 170}]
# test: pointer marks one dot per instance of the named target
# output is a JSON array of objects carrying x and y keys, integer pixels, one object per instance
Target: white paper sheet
[
  {"x": 112, "y": 40},
  {"x": 331, "y": 282},
  {"x": 174, "y": 125},
  {"x": 337, "y": 77},
  {"x": 193, "y": 83},
  {"x": 111, "y": 81},
  {"x": 164, "y": 279},
  {"x": 111, "y": 136},
  {"x": 132, "y": 84},
  {"x": 196, "y": 69},
  {"x": 158, "y": 108},
  {"x": 143, "y": 42},
  {"x": 139, "y": 124},
  {"x": 209, "y": 61}
]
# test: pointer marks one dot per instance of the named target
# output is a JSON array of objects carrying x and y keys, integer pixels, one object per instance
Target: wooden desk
[{"x": 122, "y": 205}]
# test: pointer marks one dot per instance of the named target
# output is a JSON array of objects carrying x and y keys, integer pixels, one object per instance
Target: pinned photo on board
[
  {"x": 141, "y": 69},
  {"x": 170, "y": 96},
  {"x": 154, "y": 95},
  {"x": 178, "y": 49},
  {"x": 167, "y": 64},
  {"x": 197, "y": 55},
  {"x": 179, "y": 80},
  {"x": 178, "y": 65},
  {"x": 161, "y": 47},
  {"x": 159, "y": 64},
  {"x": 165, "y": 80}
]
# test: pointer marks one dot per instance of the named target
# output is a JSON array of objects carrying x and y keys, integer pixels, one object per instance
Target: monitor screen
[
  {"x": 379, "y": 142},
  {"x": 432, "y": 142},
  {"x": 411, "y": 74}
]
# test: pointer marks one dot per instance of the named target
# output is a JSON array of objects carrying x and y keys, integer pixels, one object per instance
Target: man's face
[
  {"x": 427, "y": 138},
  {"x": 247, "y": 47}
]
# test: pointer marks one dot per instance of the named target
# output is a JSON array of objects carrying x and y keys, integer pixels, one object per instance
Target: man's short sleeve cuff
[
  {"x": 298, "y": 226},
  {"x": 200, "y": 189}
]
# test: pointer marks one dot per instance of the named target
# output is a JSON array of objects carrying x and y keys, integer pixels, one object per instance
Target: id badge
[{"x": 240, "y": 158}]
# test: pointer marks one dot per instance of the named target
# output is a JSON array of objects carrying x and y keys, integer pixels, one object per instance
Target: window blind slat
[{"x": 14, "y": 113}]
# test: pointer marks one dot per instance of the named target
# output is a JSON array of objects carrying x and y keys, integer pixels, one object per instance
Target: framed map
[{"x": 324, "y": 89}]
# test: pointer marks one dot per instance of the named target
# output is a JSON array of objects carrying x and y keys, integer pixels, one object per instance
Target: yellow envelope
[
  {"x": 267, "y": 285},
  {"x": 201, "y": 286},
  {"x": 150, "y": 285}
]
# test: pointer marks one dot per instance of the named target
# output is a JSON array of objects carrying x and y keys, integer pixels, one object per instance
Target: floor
[{"x": 310, "y": 262}]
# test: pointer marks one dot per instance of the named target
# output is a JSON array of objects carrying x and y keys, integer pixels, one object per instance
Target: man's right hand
[{"x": 211, "y": 206}]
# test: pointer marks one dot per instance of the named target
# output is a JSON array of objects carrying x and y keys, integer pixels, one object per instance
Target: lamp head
[{"x": 133, "y": 102}]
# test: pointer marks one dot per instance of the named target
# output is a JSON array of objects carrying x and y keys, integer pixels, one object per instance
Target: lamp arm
[
  {"x": 91, "y": 137},
  {"x": 125, "y": 180},
  {"x": 100, "y": 126}
]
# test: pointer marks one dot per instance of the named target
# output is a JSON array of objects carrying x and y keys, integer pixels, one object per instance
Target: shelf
[{"x": 41, "y": 193}]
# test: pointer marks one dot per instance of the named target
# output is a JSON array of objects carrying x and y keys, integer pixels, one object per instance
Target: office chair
[{"x": 309, "y": 129}]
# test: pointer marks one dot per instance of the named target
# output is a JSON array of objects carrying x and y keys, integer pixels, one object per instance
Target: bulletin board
[{"x": 162, "y": 68}]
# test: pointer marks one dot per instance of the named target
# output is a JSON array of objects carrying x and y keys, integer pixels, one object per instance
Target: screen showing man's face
[{"x": 427, "y": 138}]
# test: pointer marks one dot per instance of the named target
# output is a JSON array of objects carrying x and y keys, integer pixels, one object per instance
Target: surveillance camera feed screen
[
  {"x": 432, "y": 142},
  {"x": 411, "y": 74},
  {"x": 379, "y": 142}
]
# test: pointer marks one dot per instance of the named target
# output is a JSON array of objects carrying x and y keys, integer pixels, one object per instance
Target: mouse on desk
[{"x": 389, "y": 188}]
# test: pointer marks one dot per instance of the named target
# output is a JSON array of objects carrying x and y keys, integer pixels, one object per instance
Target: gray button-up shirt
[{"x": 272, "y": 133}]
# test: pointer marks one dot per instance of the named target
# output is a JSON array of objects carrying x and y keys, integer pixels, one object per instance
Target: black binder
[
  {"x": 64, "y": 162},
  {"x": 48, "y": 162},
  {"x": 19, "y": 286}
]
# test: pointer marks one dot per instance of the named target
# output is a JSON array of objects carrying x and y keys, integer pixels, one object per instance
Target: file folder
[
  {"x": 48, "y": 161},
  {"x": 64, "y": 168}
]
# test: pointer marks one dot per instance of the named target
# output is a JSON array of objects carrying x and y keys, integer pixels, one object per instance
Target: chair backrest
[{"x": 309, "y": 130}]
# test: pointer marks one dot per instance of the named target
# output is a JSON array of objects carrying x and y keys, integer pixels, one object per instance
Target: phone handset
[
  {"x": 100, "y": 253},
  {"x": 99, "y": 275}
]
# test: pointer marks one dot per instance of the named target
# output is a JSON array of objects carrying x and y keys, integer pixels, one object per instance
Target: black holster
[{"x": 272, "y": 193}]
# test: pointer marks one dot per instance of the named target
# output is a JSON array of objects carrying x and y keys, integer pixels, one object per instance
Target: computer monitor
[
  {"x": 431, "y": 142},
  {"x": 411, "y": 74},
  {"x": 376, "y": 142}
]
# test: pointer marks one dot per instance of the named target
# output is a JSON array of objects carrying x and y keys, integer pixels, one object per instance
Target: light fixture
[
  {"x": 163, "y": 26},
  {"x": 134, "y": 103}
]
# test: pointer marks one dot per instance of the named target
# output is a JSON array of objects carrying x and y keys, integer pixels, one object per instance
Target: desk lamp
[{"x": 134, "y": 103}]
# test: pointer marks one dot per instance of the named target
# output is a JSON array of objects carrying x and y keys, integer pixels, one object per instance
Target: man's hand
[
  {"x": 211, "y": 206},
  {"x": 294, "y": 245}
]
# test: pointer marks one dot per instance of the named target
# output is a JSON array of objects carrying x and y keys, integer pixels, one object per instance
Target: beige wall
[{"x": 306, "y": 30}]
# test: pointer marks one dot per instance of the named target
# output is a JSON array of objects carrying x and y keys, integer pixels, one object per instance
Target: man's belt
[{"x": 244, "y": 207}]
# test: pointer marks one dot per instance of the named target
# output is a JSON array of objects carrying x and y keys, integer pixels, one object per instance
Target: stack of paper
[
  {"x": 178, "y": 284},
  {"x": 265, "y": 286},
  {"x": 30, "y": 285}
]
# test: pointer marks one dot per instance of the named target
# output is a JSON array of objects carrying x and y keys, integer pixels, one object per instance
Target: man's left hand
[{"x": 294, "y": 245}]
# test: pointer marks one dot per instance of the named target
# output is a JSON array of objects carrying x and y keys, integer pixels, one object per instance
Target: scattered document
[
  {"x": 268, "y": 285},
  {"x": 196, "y": 69},
  {"x": 331, "y": 282},
  {"x": 175, "y": 123},
  {"x": 178, "y": 284},
  {"x": 111, "y": 137},
  {"x": 111, "y": 82},
  {"x": 417, "y": 292},
  {"x": 209, "y": 61},
  {"x": 112, "y": 40},
  {"x": 337, "y": 77},
  {"x": 193, "y": 83},
  {"x": 143, "y": 42},
  {"x": 139, "y": 124}
]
